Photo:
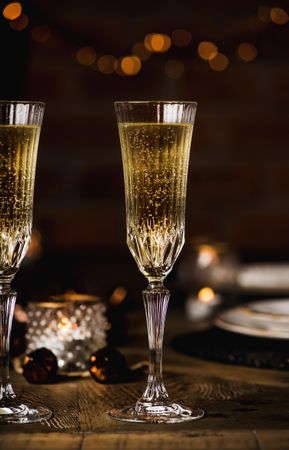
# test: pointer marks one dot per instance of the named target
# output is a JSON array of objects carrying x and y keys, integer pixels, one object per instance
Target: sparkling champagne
[
  {"x": 155, "y": 160},
  {"x": 18, "y": 154}
]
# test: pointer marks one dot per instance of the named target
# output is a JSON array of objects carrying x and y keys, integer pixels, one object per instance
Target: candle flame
[
  {"x": 206, "y": 255},
  {"x": 206, "y": 295},
  {"x": 64, "y": 323}
]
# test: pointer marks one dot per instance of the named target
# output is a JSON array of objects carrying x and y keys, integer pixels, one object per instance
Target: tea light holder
[
  {"x": 72, "y": 326},
  {"x": 204, "y": 306}
]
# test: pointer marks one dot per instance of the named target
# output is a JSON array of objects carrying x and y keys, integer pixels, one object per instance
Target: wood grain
[
  {"x": 40, "y": 441},
  {"x": 221, "y": 440},
  {"x": 269, "y": 440},
  {"x": 245, "y": 409},
  {"x": 171, "y": 441}
]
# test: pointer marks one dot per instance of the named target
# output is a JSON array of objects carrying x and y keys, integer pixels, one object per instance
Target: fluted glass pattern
[
  {"x": 20, "y": 124},
  {"x": 155, "y": 142},
  {"x": 19, "y": 136}
]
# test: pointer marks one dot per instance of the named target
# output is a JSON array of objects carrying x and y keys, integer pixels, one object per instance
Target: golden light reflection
[
  {"x": 118, "y": 295},
  {"x": 147, "y": 42},
  {"x": 41, "y": 33},
  {"x": 219, "y": 63},
  {"x": 130, "y": 65},
  {"x": 118, "y": 68},
  {"x": 207, "y": 50},
  {"x": 106, "y": 64},
  {"x": 35, "y": 247},
  {"x": 140, "y": 50},
  {"x": 20, "y": 23},
  {"x": 279, "y": 16},
  {"x": 160, "y": 42},
  {"x": 174, "y": 68},
  {"x": 206, "y": 295},
  {"x": 64, "y": 323},
  {"x": 264, "y": 13},
  {"x": 20, "y": 314},
  {"x": 86, "y": 56},
  {"x": 12, "y": 11},
  {"x": 181, "y": 38},
  {"x": 156, "y": 42},
  {"x": 247, "y": 52}
]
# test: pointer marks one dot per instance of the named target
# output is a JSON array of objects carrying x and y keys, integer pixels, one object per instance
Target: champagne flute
[
  {"x": 155, "y": 141},
  {"x": 20, "y": 124}
]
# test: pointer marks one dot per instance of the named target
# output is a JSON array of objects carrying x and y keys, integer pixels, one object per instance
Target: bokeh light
[
  {"x": 264, "y": 14},
  {"x": 35, "y": 246},
  {"x": 219, "y": 63},
  {"x": 118, "y": 296},
  {"x": 207, "y": 50},
  {"x": 207, "y": 255},
  {"x": 279, "y": 16},
  {"x": 106, "y": 64},
  {"x": 147, "y": 42},
  {"x": 156, "y": 42},
  {"x": 12, "y": 11},
  {"x": 174, "y": 68},
  {"x": 41, "y": 33},
  {"x": 130, "y": 65},
  {"x": 160, "y": 42},
  {"x": 86, "y": 56},
  {"x": 140, "y": 50},
  {"x": 181, "y": 38},
  {"x": 247, "y": 52},
  {"x": 118, "y": 68},
  {"x": 206, "y": 295},
  {"x": 20, "y": 23}
]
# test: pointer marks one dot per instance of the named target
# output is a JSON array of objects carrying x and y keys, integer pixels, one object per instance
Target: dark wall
[{"x": 239, "y": 174}]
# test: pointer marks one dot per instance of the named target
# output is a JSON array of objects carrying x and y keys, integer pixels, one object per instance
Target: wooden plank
[
  {"x": 273, "y": 440},
  {"x": 40, "y": 441},
  {"x": 171, "y": 441},
  {"x": 267, "y": 377},
  {"x": 242, "y": 406},
  {"x": 234, "y": 398},
  {"x": 61, "y": 398},
  {"x": 147, "y": 440},
  {"x": 80, "y": 406}
]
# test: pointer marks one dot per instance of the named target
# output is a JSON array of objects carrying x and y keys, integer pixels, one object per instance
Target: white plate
[
  {"x": 264, "y": 277},
  {"x": 268, "y": 318}
]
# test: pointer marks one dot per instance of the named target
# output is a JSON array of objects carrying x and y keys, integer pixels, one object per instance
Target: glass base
[
  {"x": 171, "y": 413},
  {"x": 24, "y": 414}
]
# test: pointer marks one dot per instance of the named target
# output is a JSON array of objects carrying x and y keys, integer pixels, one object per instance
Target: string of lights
[{"x": 153, "y": 43}]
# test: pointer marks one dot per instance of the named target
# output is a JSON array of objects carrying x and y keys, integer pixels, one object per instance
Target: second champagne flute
[{"x": 155, "y": 142}]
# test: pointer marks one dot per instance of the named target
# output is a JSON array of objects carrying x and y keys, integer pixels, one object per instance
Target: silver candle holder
[{"x": 72, "y": 326}]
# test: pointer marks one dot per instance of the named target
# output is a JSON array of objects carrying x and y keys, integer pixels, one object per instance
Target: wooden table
[{"x": 245, "y": 408}]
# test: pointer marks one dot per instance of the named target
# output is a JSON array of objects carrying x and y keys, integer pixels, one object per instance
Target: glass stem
[
  {"x": 156, "y": 299},
  {"x": 7, "y": 303}
]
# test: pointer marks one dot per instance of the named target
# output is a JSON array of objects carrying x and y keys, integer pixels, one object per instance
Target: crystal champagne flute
[
  {"x": 20, "y": 124},
  {"x": 155, "y": 141}
]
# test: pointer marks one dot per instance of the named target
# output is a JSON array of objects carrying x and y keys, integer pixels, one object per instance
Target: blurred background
[{"x": 81, "y": 56}]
